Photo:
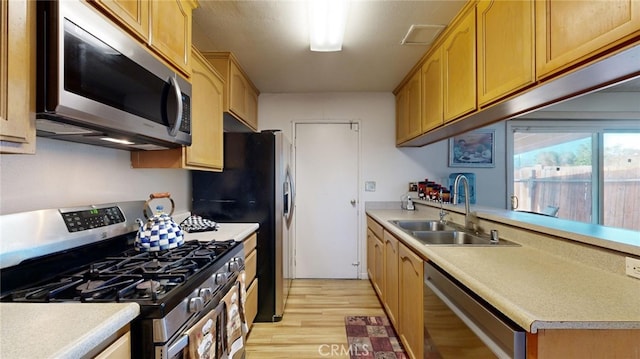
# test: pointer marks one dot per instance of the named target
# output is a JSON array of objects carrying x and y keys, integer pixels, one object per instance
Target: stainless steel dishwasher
[{"x": 458, "y": 324}]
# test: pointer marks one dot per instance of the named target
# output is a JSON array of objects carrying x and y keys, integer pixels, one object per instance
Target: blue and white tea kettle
[{"x": 160, "y": 232}]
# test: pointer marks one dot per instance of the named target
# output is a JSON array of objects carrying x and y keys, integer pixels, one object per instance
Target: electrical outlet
[{"x": 633, "y": 267}]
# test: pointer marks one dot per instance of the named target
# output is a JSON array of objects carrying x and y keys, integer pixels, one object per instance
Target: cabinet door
[
  {"x": 171, "y": 32},
  {"x": 432, "y": 91},
  {"x": 402, "y": 115},
  {"x": 120, "y": 349},
  {"x": 375, "y": 261},
  {"x": 391, "y": 277},
  {"x": 408, "y": 112},
  {"x": 370, "y": 254},
  {"x": 459, "y": 59},
  {"x": 414, "y": 99},
  {"x": 237, "y": 91},
  {"x": 568, "y": 32},
  {"x": 131, "y": 14},
  {"x": 410, "y": 313},
  {"x": 17, "y": 77},
  {"x": 378, "y": 260},
  {"x": 206, "y": 149},
  {"x": 506, "y": 60},
  {"x": 252, "y": 108},
  {"x": 252, "y": 303}
]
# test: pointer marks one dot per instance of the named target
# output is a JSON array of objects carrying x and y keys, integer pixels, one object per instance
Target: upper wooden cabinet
[
  {"x": 569, "y": 32},
  {"x": 131, "y": 14},
  {"x": 505, "y": 47},
  {"x": 171, "y": 31},
  {"x": 459, "y": 61},
  {"x": 164, "y": 25},
  {"x": 408, "y": 108},
  {"x": 241, "y": 96},
  {"x": 432, "y": 115},
  {"x": 206, "y": 150},
  {"x": 17, "y": 76}
]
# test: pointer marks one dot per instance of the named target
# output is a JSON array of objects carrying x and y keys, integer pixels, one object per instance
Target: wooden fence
[{"x": 570, "y": 190}]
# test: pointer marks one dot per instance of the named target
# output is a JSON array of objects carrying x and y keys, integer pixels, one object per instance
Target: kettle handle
[
  {"x": 156, "y": 196},
  {"x": 160, "y": 195}
]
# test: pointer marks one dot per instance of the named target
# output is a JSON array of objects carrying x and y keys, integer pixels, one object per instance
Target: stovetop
[{"x": 143, "y": 277}]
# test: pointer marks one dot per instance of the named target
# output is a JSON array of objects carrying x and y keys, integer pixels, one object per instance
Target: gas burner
[
  {"x": 89, "y": 285},
  {"x": 148, "y": 287}
]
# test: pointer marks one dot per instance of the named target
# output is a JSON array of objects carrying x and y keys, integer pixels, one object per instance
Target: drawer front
[
  {"x": 375, "y": 227},
  {"x": 251, "y": 306},
  {"x": 250, "y": 244},
  {"x": 250, "y": 266}
]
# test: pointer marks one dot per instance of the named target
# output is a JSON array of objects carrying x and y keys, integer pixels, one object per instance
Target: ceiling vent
[{"x": 422, "y": 34}]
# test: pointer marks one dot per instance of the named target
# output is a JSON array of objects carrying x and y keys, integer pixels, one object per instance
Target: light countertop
[
  {"x": 59, "y": 330},
  {"x": 226, "y": 231},
  {"x": 534, "y": 288},
  {"x": 72, "y": 330}
]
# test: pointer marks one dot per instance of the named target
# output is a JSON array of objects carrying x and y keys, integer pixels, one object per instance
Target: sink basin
[
  {"x": 420, "y": 225},
  {"x": 455, "y": 238}
]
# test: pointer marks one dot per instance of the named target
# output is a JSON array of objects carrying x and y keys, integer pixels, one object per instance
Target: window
[{"x": 577, "y": 170}]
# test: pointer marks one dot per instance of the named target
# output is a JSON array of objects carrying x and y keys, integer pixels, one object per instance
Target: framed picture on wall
[{"x": 473, "y": 149}]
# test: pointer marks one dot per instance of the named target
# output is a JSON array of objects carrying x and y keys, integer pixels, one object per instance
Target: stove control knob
[
  {"x": 220, "y": 278},
  {"x": 195, "y": 304},
  {"x": 235, "y": 265},
  {"x": 206, "y": 294}
]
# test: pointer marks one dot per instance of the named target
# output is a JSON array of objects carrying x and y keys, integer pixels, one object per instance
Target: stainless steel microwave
[{"x": 98, "y": 85}]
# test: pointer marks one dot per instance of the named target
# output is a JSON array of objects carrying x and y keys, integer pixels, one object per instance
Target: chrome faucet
[
  {"x": 442, "y": 211},
  {"x": 468, "y": 217}
]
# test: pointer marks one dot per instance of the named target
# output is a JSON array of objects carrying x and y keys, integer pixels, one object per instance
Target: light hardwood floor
[{"x": 313, "y": 321}]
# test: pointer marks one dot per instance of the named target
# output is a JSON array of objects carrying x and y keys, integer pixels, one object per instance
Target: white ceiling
[{"x": 270, "y": 40}]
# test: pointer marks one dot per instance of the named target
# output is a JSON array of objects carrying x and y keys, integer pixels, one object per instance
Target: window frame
[{"x": 598, "y": 129}]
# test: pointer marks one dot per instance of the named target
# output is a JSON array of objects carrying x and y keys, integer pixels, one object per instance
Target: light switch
[{"x": 370, "y": 186}]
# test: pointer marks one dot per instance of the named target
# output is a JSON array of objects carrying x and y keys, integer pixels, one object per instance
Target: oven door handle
[{"x": 178, "y": 346}]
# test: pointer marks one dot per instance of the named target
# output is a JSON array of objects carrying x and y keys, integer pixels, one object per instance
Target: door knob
[{"x": 353, "y": 202}]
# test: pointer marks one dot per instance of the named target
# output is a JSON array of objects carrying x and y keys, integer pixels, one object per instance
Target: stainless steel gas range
[{"x": 86, "y": 255}]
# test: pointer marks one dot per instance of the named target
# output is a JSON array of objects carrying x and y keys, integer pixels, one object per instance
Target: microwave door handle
[{"x": 173, "y": 131}]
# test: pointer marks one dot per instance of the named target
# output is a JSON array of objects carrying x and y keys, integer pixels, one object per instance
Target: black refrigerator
[{"x": 255, "y": 186}]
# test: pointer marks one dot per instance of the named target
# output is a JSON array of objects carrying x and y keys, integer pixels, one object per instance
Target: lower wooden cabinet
[
  {"x": 397, "y": 274},
  {"x": 250, "y": 266},
  {"x": 251, "y": 306},
  {"x": 390, "y": 291},
  {"x": 410, "y": 307},
  {"x": 375, "y": 255},
  {"x": 206, "y": 150},
  {"x": 119, "y": 349}
]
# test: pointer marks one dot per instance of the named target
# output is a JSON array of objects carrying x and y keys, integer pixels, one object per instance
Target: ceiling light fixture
[{"x": 327, "y": 22}]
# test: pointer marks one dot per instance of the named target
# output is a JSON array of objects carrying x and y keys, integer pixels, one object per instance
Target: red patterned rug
[{"x": 373, "y": 338}]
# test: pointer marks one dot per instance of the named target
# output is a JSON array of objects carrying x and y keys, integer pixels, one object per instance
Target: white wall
[
  {"x": 390, "y": 167},
  {"x": 65, "y": 174}
]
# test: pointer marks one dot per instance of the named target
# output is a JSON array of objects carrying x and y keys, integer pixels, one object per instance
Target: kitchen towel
[
  {"x": 202, "y": 336},
  {"x": 236, "y": 324}
]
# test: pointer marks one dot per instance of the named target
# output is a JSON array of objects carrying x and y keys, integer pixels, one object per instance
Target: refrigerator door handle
[{"x": 289, "y": 194}]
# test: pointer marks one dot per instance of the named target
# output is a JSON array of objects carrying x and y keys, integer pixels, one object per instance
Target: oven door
[{"x": 203, "y": 339}]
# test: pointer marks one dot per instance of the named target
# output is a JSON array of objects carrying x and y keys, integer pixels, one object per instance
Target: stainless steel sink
[
  {"x": 434, "y": 232},
  {"x": 420, "y": 225},
  {"x": 456, "y": 238}
]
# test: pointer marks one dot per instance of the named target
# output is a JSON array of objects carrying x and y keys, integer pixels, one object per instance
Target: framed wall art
[{"x": 473, "y": 149}]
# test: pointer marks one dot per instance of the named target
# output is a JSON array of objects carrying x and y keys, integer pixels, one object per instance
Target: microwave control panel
[{"x": 83, "y": 220}]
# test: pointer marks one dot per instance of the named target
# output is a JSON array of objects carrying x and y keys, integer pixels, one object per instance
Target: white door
[{"x": 326, "y": 225}]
